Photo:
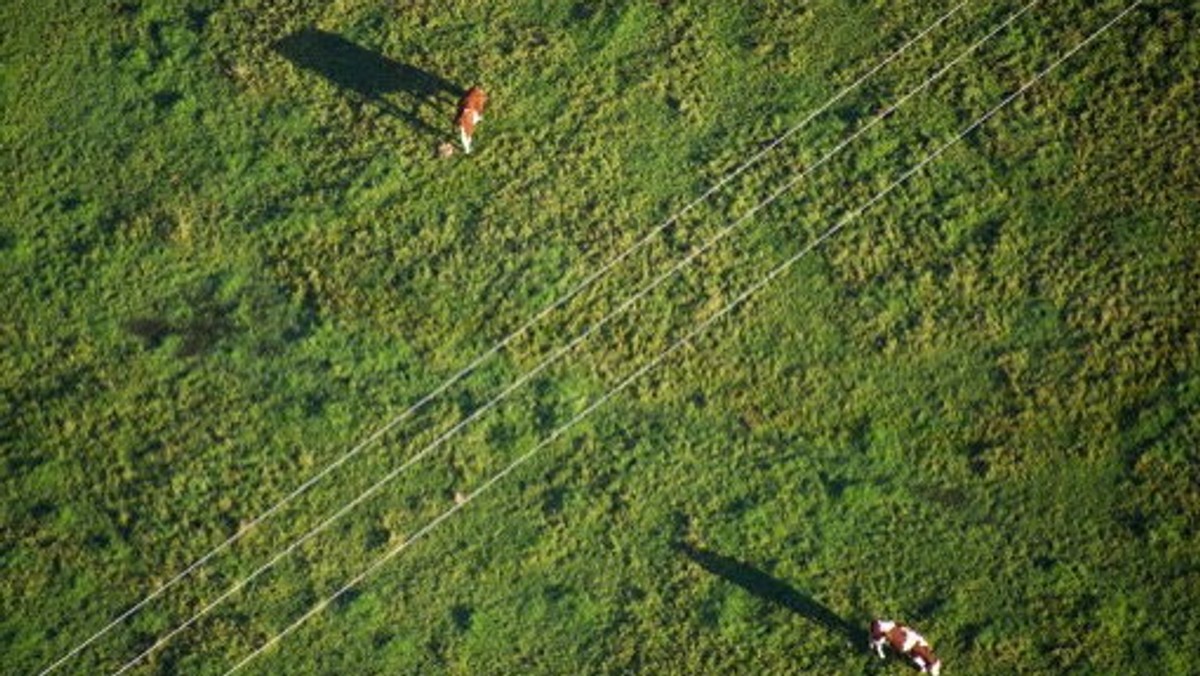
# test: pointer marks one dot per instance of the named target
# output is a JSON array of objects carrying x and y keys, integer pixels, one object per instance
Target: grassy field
[{"x": 228, "y": 254}]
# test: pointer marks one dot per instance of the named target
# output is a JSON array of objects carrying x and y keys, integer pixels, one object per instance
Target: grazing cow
[
  {"x": 906, "y": 642},
  {"x": 470, "y": 112}
]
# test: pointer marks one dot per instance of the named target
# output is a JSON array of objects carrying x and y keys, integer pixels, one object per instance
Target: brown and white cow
[
  {"x": 906, "y": 642},
  {"x": 470, "y": 112}
]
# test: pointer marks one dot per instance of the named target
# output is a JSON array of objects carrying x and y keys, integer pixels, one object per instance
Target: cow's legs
[{"x": 877, "y": 646}]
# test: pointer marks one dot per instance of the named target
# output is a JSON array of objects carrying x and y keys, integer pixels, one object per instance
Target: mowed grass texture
[{"x": 229, "y": 254}]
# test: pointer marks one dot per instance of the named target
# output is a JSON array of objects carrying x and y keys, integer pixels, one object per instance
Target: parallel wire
[
  {"x": 497, "y": 347},
  {"x": 575, "y": 342},
  {"x": 700, "y": 328}
]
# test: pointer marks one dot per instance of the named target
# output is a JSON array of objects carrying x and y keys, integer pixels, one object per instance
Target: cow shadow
[
  {"x": 775, "y": 591},
  {"x": 370, "y": 75}
]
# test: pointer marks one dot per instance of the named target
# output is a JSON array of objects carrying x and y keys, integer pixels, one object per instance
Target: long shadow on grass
[
  {"x": 370, "y": 74},
  {"x": 776, "y": 591}
]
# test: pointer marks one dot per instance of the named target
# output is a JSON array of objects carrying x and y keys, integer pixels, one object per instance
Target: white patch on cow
[
  {"x": 878, "y": 642},
  {"x": 466, "y": 140},
  {"x": 912, "y": 639},
  {"x": 476, "y": 116},
  {"x": 936, "y": 668}
]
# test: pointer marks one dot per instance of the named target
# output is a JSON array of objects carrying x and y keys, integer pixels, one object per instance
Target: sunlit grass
[{"x": 975, "y": 409}]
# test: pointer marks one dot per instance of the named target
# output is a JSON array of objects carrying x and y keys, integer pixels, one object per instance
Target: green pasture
[{"x": 229, "y": 253}]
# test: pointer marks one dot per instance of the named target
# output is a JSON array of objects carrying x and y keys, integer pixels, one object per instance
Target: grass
[{"x": 976, "y": 409}]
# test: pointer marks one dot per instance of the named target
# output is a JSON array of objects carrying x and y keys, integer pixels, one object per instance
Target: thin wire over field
[
  {"x": 575, "y": 342},
  {"x": 561, "y": 300},
  {"x": 699, "y": 329}
]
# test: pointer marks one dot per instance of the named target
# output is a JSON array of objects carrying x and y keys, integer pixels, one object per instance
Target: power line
[
  {"x": 492, "y": 351},
  {"x": 546, "y": 363},
  {"x": 700, "y": 328}
]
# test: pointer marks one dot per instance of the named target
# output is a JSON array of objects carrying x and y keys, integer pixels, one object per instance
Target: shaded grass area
[
  {"x": 764, "y": 586},
  {"x": 228, "y": 254}
]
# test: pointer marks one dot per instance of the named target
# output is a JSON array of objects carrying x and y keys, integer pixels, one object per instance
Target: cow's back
[{"x": 469, "y": 106}]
